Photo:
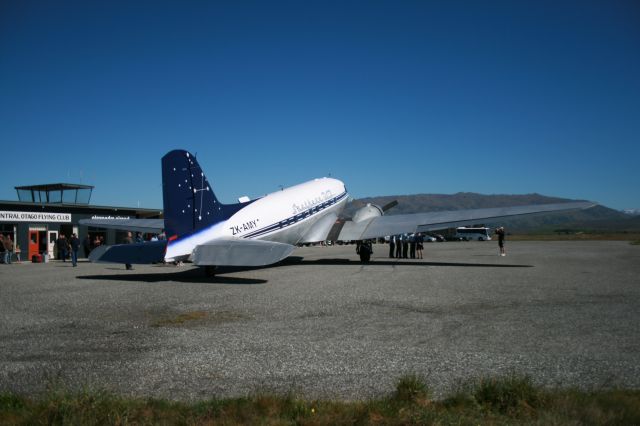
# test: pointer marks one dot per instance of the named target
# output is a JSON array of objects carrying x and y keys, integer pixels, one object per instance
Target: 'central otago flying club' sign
[{"x": 34, "y": 217}]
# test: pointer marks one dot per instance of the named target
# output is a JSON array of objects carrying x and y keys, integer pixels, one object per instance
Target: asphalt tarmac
[{"x": 322, "y": 325}]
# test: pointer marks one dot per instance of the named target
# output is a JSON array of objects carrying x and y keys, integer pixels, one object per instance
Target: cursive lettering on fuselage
[{"x": 310, "y": 203}]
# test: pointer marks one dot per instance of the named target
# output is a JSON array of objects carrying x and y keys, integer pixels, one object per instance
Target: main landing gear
[{"x": 364, "y": 249}]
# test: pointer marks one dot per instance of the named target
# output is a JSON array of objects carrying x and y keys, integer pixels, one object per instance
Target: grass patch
[
  {"x": 635, "y": 243},
  {"x": 411, "y": 388},
  {"x": 506, "y": 400},
  {"x": 164, "y": 319},
  {"x": 509, "y": 393}
]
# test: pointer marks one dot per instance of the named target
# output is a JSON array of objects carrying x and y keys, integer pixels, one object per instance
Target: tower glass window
[{"x": 55, "y": 193}]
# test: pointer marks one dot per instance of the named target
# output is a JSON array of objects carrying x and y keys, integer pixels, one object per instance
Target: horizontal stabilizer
[
  {"x": 240, "y": 253},
  {"x": 136, "y": 225},
  {"x": 139, "y": 253}
]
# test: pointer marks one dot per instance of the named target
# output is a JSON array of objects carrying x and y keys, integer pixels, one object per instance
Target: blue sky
[{"x": 391, "y": 97}]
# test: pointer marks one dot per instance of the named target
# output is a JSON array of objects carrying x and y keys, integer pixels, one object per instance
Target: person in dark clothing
[
  {"x": 128, "y": 240},
  {"x": 419, "y": 244},
  {"x": 399, "y": 246},
  {"x": 61, "y": 242},
  {"x": 392, "y": 245},
  {"x": 405, "y": 247},
  {"x": 500, "y": 232},
  {"x": 74, "y": 242},
  {"x": 412, "y": 247},
  {"x": 86, "y": 245},
  {"x": 2, "y": 252},
  {"x": 8, "y": 249}
]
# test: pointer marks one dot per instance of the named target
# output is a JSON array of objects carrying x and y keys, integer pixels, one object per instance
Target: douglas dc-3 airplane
[{"x": 266, "y": 230}]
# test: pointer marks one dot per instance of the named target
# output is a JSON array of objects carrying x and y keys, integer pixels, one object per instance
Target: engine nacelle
[{"x": 367, "y": 212}]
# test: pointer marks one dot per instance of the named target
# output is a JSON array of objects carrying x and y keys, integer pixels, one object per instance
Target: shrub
[
  {"x": 10, "y": 401},
  {"x": 507, "y": 393},
  {"x": 411, "y": 388}
]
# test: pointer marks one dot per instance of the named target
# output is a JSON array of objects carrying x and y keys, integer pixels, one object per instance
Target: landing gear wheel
[
  {"x": 365, "y": 256},
  {"x": 210, "y": 271},
  {"x": 364, "y": 249}
]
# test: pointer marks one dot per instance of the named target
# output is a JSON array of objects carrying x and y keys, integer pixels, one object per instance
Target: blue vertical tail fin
[{"x": 188, "y": 199}]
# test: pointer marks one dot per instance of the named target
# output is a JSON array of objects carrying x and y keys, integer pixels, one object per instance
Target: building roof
[
  {"x": 61, "y": 193},
  {"x": 55, "y": 186}
]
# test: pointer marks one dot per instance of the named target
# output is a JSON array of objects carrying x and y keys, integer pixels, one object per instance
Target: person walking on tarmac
[
  {"x": 128, "y": 240},
  {"x": 74, "y": 242},
  {"x": 61, "y": 242},
  {"x": 500, "y": 232}
]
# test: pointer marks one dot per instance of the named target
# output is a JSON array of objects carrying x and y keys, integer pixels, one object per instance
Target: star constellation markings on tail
[{"x": 201, "y": 191}]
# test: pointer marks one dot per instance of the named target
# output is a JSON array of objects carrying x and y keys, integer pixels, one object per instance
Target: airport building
[{"x": 43, "y": 212}]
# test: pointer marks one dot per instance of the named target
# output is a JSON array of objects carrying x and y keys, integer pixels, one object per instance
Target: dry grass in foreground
[{"x": 494, "y": 401}]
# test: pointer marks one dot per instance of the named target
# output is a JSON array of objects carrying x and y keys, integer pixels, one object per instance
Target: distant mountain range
[{"x": 598, "y": 218}]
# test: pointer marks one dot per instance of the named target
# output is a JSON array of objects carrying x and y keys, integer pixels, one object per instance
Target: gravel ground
[{"x": 321, "y": 325}]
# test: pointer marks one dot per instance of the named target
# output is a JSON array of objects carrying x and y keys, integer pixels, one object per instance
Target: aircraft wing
[
  {"x": 239, "y": 252},
  {"x": 136, "y": 225},
  {"x": 381, "y": 226},
  {"x": 216, "y": 252}
]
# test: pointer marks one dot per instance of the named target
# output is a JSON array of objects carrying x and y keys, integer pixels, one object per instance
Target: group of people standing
[
  {"x": 7, "y": 249},
  {"x": 406, "y": 246},
  {"x": 68, "y": 248},
  {"x": 410, "y": 246}
]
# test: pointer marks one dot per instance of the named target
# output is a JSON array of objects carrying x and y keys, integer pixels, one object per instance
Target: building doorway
[
  {"x": 67, "y": 230},
  {"x": 51, "y": 243},
  {"x": 37, "y": 241}
]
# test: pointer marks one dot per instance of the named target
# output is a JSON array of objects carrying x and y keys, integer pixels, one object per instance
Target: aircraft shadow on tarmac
[
  {"x": 191, "y": 275},
  {"x": 196, "y": 275}
]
